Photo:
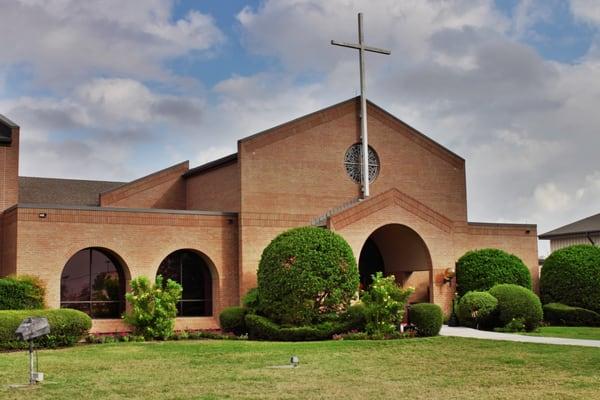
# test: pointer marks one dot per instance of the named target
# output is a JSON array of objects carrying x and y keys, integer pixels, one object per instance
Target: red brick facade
[{"x": 289, "y": 176}]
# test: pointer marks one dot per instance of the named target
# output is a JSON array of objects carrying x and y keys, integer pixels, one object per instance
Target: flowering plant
[{"x": 384, "y": 304}]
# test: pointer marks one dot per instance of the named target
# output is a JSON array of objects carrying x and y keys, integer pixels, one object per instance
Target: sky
[{"x": 114, "y": 90}]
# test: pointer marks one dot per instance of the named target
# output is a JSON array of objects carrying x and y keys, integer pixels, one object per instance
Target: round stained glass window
[{"x": 353, "y": 163}]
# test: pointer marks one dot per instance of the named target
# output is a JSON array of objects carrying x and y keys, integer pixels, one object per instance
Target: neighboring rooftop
[
  {"x": 211, "y": 165},
  {"x": 71, "y": 192},
  {"x": 583, "y": 226}
]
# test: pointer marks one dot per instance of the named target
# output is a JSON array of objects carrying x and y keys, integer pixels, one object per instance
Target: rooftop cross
[{"x": 362, "y": 47}]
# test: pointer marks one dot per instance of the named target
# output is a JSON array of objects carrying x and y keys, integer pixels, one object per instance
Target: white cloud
[
  {"x": 64, "y": 41},
  {"x": 550, "y": 198},
  {"x": 586, "y": 10}
]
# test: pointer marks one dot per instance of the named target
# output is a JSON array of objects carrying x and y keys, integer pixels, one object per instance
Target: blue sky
[{"x": 115, "y": 90}]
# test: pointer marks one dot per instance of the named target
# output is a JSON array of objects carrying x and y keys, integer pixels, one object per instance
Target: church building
[{"x": 207, "y": 226}]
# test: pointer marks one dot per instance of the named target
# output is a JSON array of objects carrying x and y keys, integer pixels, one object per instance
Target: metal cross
[{"x": 362, "y": 47}]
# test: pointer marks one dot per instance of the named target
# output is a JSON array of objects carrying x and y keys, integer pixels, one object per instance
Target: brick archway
[{"x": 398, "y": 250}]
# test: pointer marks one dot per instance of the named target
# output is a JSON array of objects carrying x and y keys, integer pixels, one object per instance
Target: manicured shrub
[
  {"x": 518, "y": 303},
  {"x": 153, "y": 307},
  {"x": 67, "y": 327},
  {"x": 261, "y": 328},
  {"x": 250, "y": 300},
  {"x": 21, "y": 293},
  {"x": 479, "y": 270},
  {"x": 561, "y": 314},
  {"x": 475, "y": 309},
  {"x": 427, "y": 318},
  {"x": 384, "y": 304},
  {"x": 232, "y": 320},
  {"x": 572, "y": 276},
  {"x": 304, "y": 274},
  {"x": 355, "y": 317}
]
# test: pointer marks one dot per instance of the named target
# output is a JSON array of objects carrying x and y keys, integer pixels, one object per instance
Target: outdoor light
[
  {"x": 32, "y": 328},
  {"x": 449, "y": 274},
  {"x": 42, "y": 215},
  {"x": 294, "y": 361}
]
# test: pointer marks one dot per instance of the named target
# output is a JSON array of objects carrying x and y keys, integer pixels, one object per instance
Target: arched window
[
  {"x": 92, "y": 281},
  {"x": 190, "y": 270}
]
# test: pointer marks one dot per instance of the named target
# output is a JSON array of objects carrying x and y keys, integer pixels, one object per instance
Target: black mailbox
[{"x": 32, "y": 327}]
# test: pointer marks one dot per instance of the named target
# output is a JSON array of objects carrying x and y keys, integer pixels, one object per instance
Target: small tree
[
  {"x": 384, "y": 304},
  {"x": 153, "y": 307}
]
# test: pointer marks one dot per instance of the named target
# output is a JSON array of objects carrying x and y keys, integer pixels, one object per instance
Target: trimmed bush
[
  {"x": 355, "y": 317},
  {"x": 516, "y": 303},
  {"x": 427, "y": 318},
  {"x": 475, "y": 309},
  {"x": 153, "y": 307},
  {"x": 67, "y": 327},
  {"x": 21, "y": 293},
  {"x": 250, "y": 300},
  {"x": 479, "y": 270},
  {"x": 305, "y": 274},
  {"x": 561, "y": 314},
  {"x": 572, "y": 276},
  {"x": 232, "y": 320},
  {"x": 261, "y": 328}
]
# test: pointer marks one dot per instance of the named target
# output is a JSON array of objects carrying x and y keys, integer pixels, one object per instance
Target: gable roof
[
  {"x": 328, "y": 113},
  {"x": 72, "y": 192},
  {"x": 583, "y": 226},
  {"x": 6, "y": 127}
]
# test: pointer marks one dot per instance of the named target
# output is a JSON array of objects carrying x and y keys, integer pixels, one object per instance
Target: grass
[
  {"x": 571, "y": 332},
  {"x": 429, "y": 368}
]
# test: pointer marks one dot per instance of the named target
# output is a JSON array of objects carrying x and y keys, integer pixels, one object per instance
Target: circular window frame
[{"x": 353, "y": 167}]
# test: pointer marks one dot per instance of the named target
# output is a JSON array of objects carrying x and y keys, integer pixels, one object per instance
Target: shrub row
[
  {"x": 21, "y": 293},
  {"x": 561, "y": 314},
  {"x": 67, "y": 327},
  {"x": 500, "y": 306},
  {"x": 261, "y": 328}
]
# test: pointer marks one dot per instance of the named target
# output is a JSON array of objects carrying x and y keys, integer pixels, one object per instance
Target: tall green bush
[
  {"x": 479, "y": 270},
  {"x": 427, "y": 318},
  {"x": 153, "y": 307},
  {"x": 571, "y": 276},
  {"x": 517, "y": 303},
  {"x": 21, "y": 293},
  {"x": 384, "y": 304},
  {"x": 306, "y": 274},
  {"x": 475, "y": 309},
  {"x": 67, "y": 327}
]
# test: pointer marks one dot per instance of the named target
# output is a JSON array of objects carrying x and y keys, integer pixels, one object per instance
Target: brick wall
[
  {"x": 215, "y": 190},
  {"x": 140, "y": 239},
  {"x": 164, "y": 189}
]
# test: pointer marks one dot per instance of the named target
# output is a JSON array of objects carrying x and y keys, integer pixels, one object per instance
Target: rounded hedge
[
  {"x": 479, "y": 270},
  {"x": 427, "y": 318},
  {"x": 231, "y": 320},
  {"x": 572, "y": 276},
  {"x": 519, "y": 303},
  {"x": 561, "y": 314},
  {"x": 475, "y": 309},
  {"x": 67, "y": 327},
  {"x": 304, "y": 274}
]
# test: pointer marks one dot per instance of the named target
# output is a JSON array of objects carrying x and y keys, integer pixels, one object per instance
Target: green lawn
[
  {"x": 572, "y": 332},
  {"x": 435, "y": 368}
]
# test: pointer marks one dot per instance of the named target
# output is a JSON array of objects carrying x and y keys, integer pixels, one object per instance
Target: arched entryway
[
  {"x": 192, "y": 271},
  {"x": 94, "y": 281},
  {"x": 398, "y": 250}
]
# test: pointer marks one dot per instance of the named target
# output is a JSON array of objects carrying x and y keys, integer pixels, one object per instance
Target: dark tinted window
[
  {"x": 191, "y": 271},
  {"x": 92, "y": 281}
]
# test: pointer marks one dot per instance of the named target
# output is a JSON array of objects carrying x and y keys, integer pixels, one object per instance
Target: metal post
[
  {"x": 363, "y": 111},
  {"x": 31, "y": 378}
]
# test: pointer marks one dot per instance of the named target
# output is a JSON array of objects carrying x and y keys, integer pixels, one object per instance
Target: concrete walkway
[{"x": 474, "y": 333}]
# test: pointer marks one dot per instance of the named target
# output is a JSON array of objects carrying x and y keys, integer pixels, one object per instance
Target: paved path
[{"x": 474, "y": 333}]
